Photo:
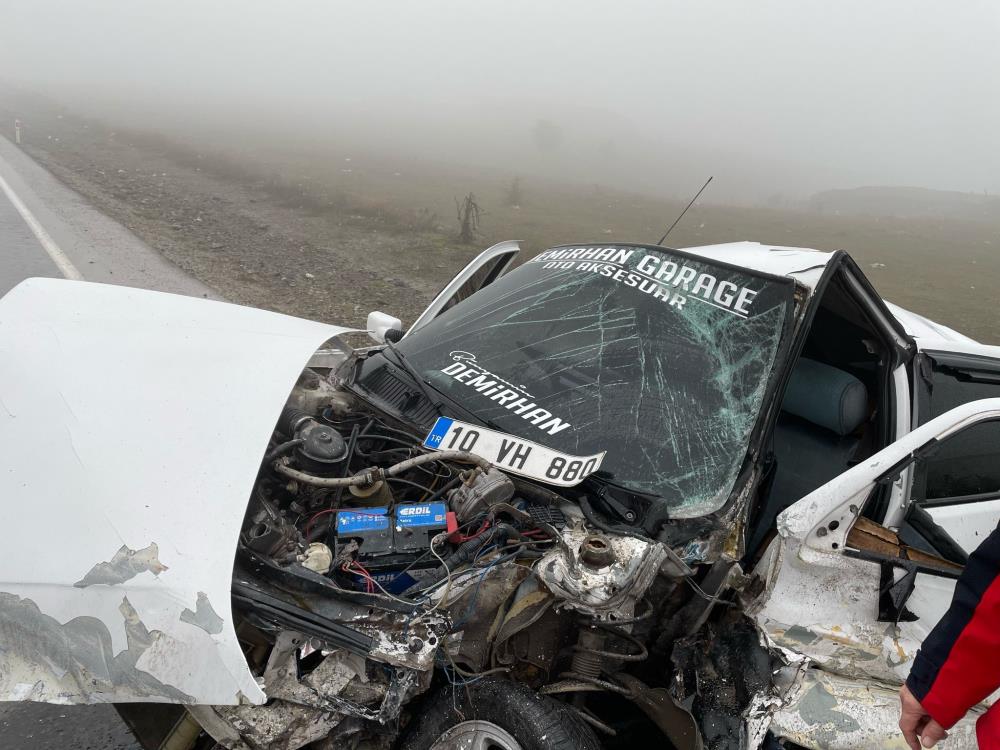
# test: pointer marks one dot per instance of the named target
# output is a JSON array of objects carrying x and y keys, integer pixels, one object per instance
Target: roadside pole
[{"x": 17, "y": 132}]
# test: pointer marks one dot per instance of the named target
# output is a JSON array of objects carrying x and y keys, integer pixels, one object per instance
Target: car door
[
  {"x": 954, "y": 494},
  {"x": 481, "y": 271},
  {"x": 843, "y": 593}
]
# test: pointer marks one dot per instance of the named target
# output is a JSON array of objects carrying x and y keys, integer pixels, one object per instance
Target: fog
[{"x": 782, "y": 96}]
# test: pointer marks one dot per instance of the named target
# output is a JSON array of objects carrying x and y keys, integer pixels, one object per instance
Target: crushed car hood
[{"x": 132, "y": 426}]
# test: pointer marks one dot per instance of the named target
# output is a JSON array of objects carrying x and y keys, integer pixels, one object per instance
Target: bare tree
[
  {"x": 469, "y": 214},
  {"x": 514, "y": 195}
]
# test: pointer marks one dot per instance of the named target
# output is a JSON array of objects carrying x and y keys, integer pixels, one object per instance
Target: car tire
[{"x": 511, "y": 716}]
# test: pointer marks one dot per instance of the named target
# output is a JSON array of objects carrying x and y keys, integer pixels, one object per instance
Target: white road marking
[{"x": 63, "y": 263}]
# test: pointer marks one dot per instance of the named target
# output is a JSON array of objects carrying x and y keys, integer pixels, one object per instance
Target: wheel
[
  {"x": 496, "y": 714},
  {"x": 476, "y": 735}
]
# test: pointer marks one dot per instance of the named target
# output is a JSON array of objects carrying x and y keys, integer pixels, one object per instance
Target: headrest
[{"x": 826, "y": 396}]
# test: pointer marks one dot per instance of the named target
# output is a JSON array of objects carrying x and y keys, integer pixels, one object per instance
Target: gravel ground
[{"x": 256, "y": 238}]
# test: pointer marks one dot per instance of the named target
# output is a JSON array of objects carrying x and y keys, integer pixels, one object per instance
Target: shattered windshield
[{"x": 658, "y": 358}]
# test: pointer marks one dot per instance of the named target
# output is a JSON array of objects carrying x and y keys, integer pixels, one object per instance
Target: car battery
[{"x": 393, "y": 541}]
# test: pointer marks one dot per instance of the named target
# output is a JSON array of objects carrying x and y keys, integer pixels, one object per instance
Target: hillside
[{"x": 905, "y": 202}]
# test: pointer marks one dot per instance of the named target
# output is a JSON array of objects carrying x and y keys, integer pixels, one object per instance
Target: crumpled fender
[{"x": 132, "y": 426}]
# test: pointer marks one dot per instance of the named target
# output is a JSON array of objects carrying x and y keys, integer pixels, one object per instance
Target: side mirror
[{"x": 382, "y": 326}]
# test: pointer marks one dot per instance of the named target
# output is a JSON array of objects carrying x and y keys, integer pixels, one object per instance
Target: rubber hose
[{"x": 373, "y": 475}]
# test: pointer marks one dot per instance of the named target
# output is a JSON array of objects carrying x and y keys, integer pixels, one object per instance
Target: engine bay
[{"x": 372, "y": 571}]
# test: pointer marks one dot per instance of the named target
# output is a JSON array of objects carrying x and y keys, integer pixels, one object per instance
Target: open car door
[
  {"x": 849, "y": 601},
  {"x": 481, "y": 271},
  {"x": 954, "y": 499}
]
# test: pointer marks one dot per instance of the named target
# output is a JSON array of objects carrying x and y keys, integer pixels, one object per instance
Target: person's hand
[{"x": 915, "y": 722}]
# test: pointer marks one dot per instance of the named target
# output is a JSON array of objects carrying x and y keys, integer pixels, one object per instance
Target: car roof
[
  {"x": 803, "y": 264},
  {"x": 926, "y": 330},
  {"x": 806, "y": 266}
]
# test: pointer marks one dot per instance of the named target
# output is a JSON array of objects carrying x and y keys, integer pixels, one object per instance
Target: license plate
[{"x": 511, "y": 453}]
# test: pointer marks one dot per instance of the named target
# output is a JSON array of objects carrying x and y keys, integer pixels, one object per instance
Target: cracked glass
[{"x": 659, "y": 358}]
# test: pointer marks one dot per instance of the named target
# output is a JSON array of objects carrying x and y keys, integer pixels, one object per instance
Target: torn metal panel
[
  {"x": 342, "y": 682},
  {"x": 826, "y": 612},
  {"x": 134, "y": 427},
  {"x": 45, "y": 660},
  {"x": 827, "y": 712},
  {"x": 278, "y": 725},
  {"x": 343, "y": 692},
  {"x": 124, "y": 566}
]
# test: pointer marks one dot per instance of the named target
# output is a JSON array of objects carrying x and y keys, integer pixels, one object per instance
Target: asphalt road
[
  {"x": 21, "y": 255},
  {"x": 48, "y": 230}
]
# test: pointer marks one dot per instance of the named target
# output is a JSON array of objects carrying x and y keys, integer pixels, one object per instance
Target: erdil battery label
[
  {"x": 422, "y": 515},
  {"x": 406, "y": 516}
]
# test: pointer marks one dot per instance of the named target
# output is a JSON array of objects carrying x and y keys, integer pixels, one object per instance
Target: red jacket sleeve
[{"x": 958, "y": 665}]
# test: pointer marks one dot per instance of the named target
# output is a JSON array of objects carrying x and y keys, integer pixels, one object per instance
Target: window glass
[
  {"x": 967, "y": 463},
  {"x": 661, "y": 360}
]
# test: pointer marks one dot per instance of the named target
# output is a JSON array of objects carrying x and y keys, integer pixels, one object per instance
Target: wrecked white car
[{"x": 710, "y": 498}]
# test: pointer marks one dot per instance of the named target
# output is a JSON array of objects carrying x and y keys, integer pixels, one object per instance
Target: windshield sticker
[
  {"x": 511, "y": 453},
  {"x": 652, "y": 274},
  {"x": 467, "y": 371}
]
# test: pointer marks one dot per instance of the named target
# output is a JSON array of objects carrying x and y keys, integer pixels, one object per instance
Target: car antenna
[{"x": 685, "y": 210}]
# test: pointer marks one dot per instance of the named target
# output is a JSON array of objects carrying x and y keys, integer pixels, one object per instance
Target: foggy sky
[{"x": 786, "y": 96}]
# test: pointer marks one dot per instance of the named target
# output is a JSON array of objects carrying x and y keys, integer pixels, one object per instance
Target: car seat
[{"x": 815, "y": 439}]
